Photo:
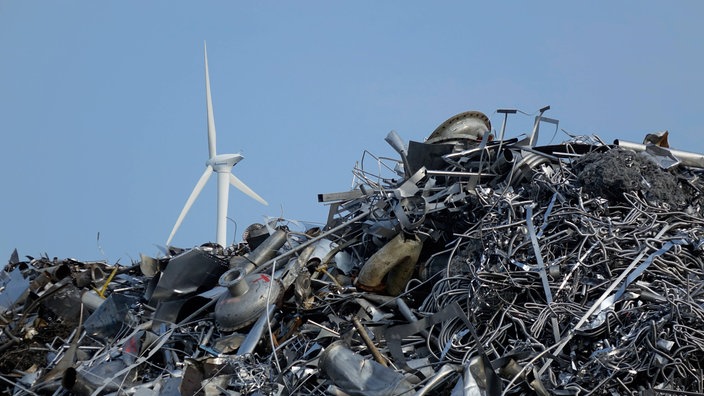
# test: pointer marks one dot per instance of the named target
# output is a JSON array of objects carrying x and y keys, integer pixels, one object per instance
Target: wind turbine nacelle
[{"x": 224, "y": 162}]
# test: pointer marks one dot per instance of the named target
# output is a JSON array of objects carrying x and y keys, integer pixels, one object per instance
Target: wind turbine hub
[{"x": 224, "y": 162}]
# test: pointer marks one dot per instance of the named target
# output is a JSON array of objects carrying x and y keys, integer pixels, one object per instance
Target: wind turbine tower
[{"x": 222, "y": 164}]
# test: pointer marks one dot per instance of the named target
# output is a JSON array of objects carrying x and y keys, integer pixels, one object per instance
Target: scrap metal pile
[{"x": 468, "y": 266}]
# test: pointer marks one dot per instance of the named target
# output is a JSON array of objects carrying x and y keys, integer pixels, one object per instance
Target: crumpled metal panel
[
  {"x": 188, "y": 273},
  {"x": 13, "y": 285},
  {"x": 358, "y": 376},
  {"x": 110, "y": 317}
]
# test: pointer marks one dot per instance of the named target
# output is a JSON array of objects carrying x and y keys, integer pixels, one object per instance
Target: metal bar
[
  {"x": 536, "y": 126},
  {"x": 340, "y": 196},
  {"x": 368, "y": 342},
  {"x": 687, "y": 158}
]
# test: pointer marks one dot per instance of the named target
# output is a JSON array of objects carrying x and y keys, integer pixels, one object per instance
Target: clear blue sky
[{"x": 102, "y": 104}]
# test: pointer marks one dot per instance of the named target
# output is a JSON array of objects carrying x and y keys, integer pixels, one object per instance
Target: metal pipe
[
  {"x": 91, "y": 300},
  {"x": 255, "y": 334},
  {"x": 364, "y": 213},
  {"x": 458, "y": 174},
  {"x": 92, "y": 381},
  {"x": 503, "y": 163},
  {"x": 368, "y": 342},
  {"x": 262, "y": 253},
  {"x": 534, "y": 135},
  {"x": 687, "y": 158},
  {"x": 505, "y": 112},
  {"x": 234, "y": 281},
  {"x": 406, "y": 312}
]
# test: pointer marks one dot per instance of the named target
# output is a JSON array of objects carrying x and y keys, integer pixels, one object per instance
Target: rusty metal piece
[
  {"x": 397, "y": 259},
  {"x": 368, "y": 342}
]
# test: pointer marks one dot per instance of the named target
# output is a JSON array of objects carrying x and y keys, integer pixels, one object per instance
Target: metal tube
[
  {"x": 534, "y": 135},
  {"x": 265, "y": 251},
  {"x": 368, "y": 341},
  {"x": 505, "y": 112},
  {"x": 406, "y": 312},
  {"x": 458, "y": 174},
  {"x": 234, "y": 281},
  {"x": 687, "y": 158},
  {"x": 255, "y": 334},
  {"x": 91, "y": 300},
  {"x": 311, "y": 241}
]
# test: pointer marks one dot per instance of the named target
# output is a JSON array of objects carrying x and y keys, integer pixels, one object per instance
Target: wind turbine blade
[
  {"x": 209, "y": 106},
  {"x": 243, "y": 187},
  {"x": 194, "y": 194}
]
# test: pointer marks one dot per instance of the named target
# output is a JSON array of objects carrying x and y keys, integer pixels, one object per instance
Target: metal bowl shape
[
  {"x": 245, "y": 299},
  {"x": 470, "y": 125}
]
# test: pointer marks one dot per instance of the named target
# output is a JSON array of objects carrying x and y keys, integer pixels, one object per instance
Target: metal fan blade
[
  {"x": 194, "y": 194},
  {"x": 243, "y": 187}
]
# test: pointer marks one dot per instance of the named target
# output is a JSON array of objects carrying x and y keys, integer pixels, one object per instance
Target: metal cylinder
[
  {"x": 263, "y": 252},
  {"x": 269, "y": 248},
  {"x": 504, "y": 161},
  {"x": 91, "y": 300},
  {"x": 255, "y": 333},
  {"x": 234, "y": 281}
]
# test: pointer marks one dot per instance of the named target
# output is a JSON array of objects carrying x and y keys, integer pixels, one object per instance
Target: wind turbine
[{"x": 222, "y": 165}]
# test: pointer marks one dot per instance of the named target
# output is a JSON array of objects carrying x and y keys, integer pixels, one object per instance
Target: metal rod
[
  {"x": 368, "y": 341},
  {"x": 536, "y": 126},
  {"x": 255, "y": 334},
  {"x": 505, "y": 112}
]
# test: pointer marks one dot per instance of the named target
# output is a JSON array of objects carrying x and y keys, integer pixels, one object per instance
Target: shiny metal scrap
[{"x": 468, "y": 266}]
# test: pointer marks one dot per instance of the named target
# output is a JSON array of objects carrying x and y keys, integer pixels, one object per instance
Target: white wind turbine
[{"x": 220, "y": 163}]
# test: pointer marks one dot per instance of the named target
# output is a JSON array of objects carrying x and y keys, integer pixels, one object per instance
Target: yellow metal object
[{"x": 101, "y": 292}]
